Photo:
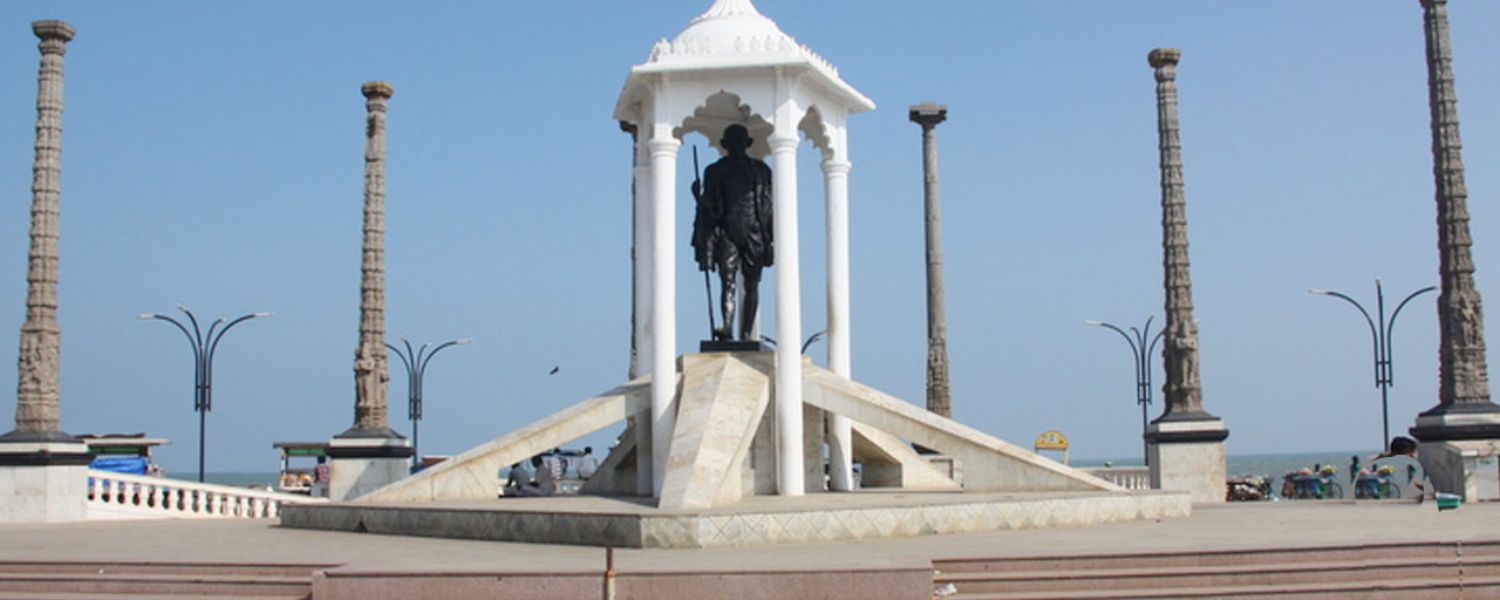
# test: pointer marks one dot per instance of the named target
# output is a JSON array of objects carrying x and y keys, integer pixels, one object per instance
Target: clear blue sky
[{"x": 213, "y": 157}]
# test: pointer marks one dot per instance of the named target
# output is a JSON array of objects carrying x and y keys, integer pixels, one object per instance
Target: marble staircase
[
  {"x": 66, "y": 580},
  {"x": 1408, "y": 570}
]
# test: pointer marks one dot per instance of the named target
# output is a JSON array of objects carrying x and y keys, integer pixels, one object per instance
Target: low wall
[{"x": 910, "y": 582}]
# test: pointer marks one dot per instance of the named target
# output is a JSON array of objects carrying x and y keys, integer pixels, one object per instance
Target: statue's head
[{"x": 736, "y": 138}]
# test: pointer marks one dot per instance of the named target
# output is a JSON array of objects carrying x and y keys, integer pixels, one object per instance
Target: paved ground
[{"x": 1246, "y": 525}]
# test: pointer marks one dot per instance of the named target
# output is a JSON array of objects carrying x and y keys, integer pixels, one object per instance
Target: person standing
[{"x": 321, "y": 476}]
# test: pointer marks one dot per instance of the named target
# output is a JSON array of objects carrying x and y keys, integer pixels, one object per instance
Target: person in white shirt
[{"x": 588, "y": 464}]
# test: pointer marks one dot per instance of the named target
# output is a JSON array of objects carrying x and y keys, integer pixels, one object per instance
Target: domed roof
[
  {"x": 732, "y": 35},
  {"x": 730, "y": 27},
  {"x": 732, "y": 31}
]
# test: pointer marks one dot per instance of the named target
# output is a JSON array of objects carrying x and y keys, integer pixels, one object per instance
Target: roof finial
[{"x": 729, "y": 8}]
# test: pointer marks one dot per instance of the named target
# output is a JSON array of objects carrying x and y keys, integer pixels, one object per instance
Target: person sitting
[
  {"x": 515, "y": 480},
  {"x": 554, "y": 462},
  {"x": 1406, "y": 472},
  {"x": 587, "y": 465},
  {"x": 545, "y": 483}
]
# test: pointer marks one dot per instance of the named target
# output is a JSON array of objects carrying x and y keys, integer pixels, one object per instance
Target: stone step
[
  {"x": 117, "y": 596},
  {"x": 1218, "y": 557},
  {"x": 118, "y": 584},
  {"x": 1223, "y": 575},
  {"x": 164, "y": 567},
  {"x": 1413, "y": 589}
]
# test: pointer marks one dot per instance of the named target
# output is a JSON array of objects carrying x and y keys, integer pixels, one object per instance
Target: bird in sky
[{"x": 554, "y": 370}]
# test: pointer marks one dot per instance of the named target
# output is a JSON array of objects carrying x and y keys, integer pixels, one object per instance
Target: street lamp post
[
  {"x": 416, "y": 367},
  {"x": 205, "y": 344},
  {"x": 1140, "y": 350},
  {"x": 1380, "y": 334}
]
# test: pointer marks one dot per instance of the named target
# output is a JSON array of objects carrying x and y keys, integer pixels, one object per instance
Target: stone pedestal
[
  {"x": 1458, "y": 450},
  {"x": 43, "y": 481},
  {"x": 1188, "y": 456},
  {"x": 359, "y": 465}
]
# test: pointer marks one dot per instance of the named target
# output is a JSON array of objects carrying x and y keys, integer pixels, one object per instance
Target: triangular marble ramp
[
  {"x": 722, "y": 442},
  {"x": 889, "y": 462},
  {"x": 989, "y": 463},
  {"x": 475, "y": 474}
]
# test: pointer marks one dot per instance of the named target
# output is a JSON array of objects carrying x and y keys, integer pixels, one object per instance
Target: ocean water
[
  {"x": 233, "y": 478},
  {"x": 1271, "y": 465}
]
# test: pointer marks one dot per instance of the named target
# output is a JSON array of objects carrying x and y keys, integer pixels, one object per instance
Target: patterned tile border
[{"x": 750, "y": 528}]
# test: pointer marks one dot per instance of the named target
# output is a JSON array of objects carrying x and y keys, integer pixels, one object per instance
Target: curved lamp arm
[
  {"x": 1390, "y": 370},
  {"x": 1374, "y": 335},
  {"x": 191, "y": 341},
  {"x": 1135, "y": 350}
]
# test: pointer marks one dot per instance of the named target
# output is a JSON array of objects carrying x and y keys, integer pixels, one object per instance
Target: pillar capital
[
  {"x": 377, "y": 89},
  {"x": 928, "y": 114},
  {"x": 835, "y": 166},
  {"x": 53, "y": 30},
  {"x": 664, "y": 145},
  {"x": 1164, "y": 60},
  {"x": 782, "y": 142}
]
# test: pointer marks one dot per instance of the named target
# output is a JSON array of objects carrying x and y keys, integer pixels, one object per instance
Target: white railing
[
  {"x": 1130, "y": 478},
  {"x": 113, "y": 496}
]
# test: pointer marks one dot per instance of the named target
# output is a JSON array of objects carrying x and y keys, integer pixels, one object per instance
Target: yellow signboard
[{"x": 1052, "y": 440}]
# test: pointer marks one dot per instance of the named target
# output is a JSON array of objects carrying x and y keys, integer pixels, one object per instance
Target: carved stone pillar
[
  {"x": 939, "y": 400},
  {"x": 1186, "y": 444},
  {"x": 37, "y": 389},
  {"x": 371, "y": 365},
  {"x": 43, "y": 471},
  {"x": 1465, "y": 425},
  {"x": 370, "y": 454}
]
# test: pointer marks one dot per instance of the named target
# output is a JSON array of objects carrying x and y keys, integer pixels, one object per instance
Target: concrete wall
[
  {"x": 43, "y": 494},
  {"x": 912, "y": 582}
]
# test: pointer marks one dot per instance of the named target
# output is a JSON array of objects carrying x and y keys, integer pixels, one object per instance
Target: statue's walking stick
[{"x": 708, "y": 289}]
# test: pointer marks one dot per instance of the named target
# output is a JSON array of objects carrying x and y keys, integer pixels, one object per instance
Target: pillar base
[
  {"x": 43, "y": 481},
  {"x": 1188, "y": 455},
  {"x": 359, "y": 465},
  {"x": 1460, "y": 450}
]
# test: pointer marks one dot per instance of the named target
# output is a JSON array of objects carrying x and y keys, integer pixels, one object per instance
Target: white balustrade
[
  {"x": 113, "y": 496},
  {"x": 1130, "y": 478}
]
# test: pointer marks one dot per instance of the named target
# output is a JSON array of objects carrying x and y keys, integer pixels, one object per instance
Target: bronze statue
[{"x": 732, "y": 228}]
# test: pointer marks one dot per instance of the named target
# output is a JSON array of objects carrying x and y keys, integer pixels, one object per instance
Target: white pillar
[
  {"x": 789, "y": 464},
  {"x": 643, "y": 197},
  {"x": 836, "y": 190},
  {"x": 663, "y": 300},
  {"x": 644, "y": 323}
]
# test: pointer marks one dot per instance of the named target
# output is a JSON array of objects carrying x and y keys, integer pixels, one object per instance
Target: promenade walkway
[{"x": 1232, "y": 526}]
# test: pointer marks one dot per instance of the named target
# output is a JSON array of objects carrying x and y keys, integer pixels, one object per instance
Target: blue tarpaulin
[{"x": 120, "y": 464}]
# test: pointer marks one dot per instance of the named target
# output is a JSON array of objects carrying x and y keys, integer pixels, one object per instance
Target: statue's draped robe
[{"x": 734, "y": 209}]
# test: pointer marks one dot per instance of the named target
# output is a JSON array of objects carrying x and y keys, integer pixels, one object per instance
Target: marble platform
[{"x": 759, "y": 520}]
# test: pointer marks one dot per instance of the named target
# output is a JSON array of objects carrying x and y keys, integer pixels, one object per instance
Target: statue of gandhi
[{"x": 732, "y": 228}]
